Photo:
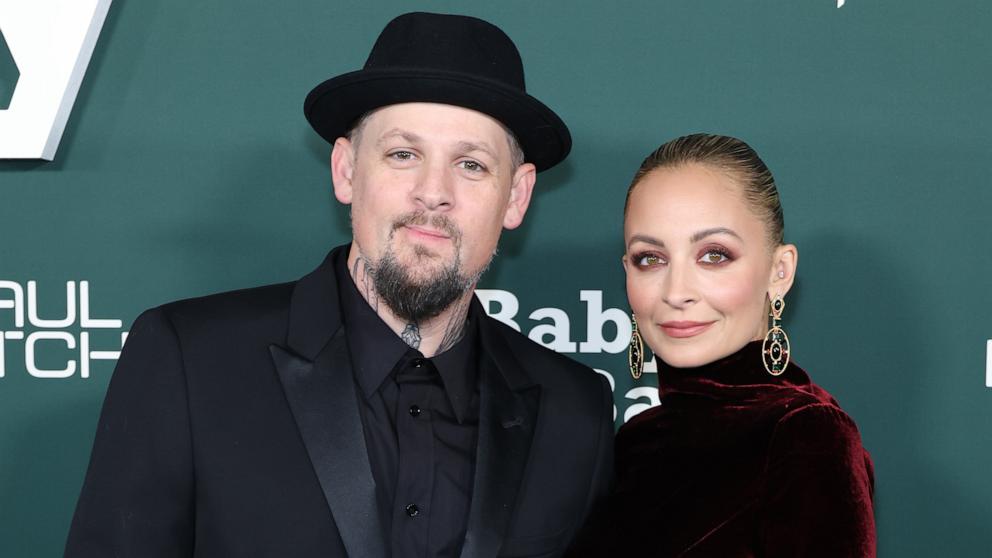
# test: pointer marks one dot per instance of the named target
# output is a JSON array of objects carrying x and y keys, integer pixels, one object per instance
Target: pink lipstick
[{"x": 683, "y": 329}]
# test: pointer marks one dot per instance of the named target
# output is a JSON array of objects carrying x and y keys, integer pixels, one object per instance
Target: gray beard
[
  {"x": 416, "y": 301},
  {"x": 413, "y": 300}
]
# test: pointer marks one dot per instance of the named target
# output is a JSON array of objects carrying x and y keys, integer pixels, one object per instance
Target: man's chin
[
  {"x": 423, "y": 276},
  {"x": 419, "y": 261}
]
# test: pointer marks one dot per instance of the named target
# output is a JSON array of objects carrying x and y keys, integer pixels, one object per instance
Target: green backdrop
[{"x": 187, "y": 168}]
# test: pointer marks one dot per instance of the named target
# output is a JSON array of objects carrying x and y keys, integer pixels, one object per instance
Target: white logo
[
  {"x": 552, "y": 328},
  {"x": 988, "y": 363},
  {"x": 51, "y": 42},
  {"x": 66, "y": 341},
  {"x": 71, "y": 339}
]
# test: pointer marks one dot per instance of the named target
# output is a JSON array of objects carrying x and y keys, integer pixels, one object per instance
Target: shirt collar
[{"x": 458, "y": 367}]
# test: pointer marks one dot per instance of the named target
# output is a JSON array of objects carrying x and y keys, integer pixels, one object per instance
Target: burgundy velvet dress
[{"x": 738, "y": 463}]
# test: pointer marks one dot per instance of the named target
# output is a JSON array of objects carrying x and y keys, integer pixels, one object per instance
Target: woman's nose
[{"x": 677, "y": 288}]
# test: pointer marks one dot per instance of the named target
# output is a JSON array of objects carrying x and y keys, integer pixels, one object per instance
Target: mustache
[{"x": 421, "y": 218}]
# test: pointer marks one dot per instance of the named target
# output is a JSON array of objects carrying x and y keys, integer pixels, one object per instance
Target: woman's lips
[{"x": 682, "y": 329}]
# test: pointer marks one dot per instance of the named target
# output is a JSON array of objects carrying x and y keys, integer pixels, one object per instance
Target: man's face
[{"x": 431, "y": 187}]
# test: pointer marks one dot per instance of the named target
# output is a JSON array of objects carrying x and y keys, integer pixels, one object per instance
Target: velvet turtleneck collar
[
  {"x": 739, "y": 375},
  {"x": 737, "y": 462}
]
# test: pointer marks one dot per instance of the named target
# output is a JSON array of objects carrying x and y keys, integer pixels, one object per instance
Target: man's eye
[
  {"x": 473, "y": 166},
  {"x": 401, "y": 155}
]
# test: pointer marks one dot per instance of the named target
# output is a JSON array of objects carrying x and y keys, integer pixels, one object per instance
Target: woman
[{"x": 745, "y": 456}]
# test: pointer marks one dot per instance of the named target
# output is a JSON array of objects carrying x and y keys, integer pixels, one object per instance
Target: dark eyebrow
[
  {"x": 408, "y": 136},
  {"x": 709, "y": 232},
  {"x": 645, "y": 238},
  {"x": 695, "y": 237}
]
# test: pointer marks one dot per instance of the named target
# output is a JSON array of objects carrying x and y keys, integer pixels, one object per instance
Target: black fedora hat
[{"x": 450, "y": 59}]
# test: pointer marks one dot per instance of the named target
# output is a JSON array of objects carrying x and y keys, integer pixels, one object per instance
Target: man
[{"x": 370, "y": 408}]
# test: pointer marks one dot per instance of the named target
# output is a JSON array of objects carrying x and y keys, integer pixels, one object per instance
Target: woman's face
[{"x": 699, "y": 265}]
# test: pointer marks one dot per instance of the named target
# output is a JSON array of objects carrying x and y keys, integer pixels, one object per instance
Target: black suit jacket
[{"x": 231, "y": 428}]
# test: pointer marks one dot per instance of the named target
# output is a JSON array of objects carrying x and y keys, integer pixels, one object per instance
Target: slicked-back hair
[{"x": 731, "y": 156}]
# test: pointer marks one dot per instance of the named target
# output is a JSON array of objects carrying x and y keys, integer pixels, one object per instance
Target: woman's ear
[{"x": 783, "y": 274}]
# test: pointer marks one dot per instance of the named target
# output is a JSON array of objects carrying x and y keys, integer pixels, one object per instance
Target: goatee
[{"x": 416, "y": 300}]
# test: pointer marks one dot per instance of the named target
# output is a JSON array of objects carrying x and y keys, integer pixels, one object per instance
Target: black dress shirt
[{"x": 421, "y": 420}]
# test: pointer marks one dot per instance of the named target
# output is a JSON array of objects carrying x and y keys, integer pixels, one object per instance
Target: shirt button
[
  {"x": 417, "y": 362},
  {"x": 412, "y": 510},
  {"x": 414, "y": 411}
]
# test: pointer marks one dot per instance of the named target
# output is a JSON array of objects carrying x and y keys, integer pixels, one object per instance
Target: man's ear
[
  {"x": 521, "y": 189},
  {"x": 343, "y": 169},
  {"x": 783, "y": 274}
]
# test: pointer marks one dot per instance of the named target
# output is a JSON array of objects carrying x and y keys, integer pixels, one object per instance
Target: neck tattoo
[
  {"x": 363, "y": 274},
  {"x": 411, "y": 335},
  {"x": 455, "y": 329},
  {"x": 363, "y": 280}
]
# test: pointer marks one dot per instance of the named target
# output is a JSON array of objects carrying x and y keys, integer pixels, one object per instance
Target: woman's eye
[
  {"x": 648, "y": 260},
  {"x": 714, "y": 257}
]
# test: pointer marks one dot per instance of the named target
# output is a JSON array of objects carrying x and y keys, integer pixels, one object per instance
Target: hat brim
[{"x": 333, "y": 106}]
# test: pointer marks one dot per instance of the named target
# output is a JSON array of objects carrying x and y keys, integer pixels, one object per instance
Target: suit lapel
[
  {"x": 322, "y": 397},
  {"x": 508, "y": 411},
  {"x": 315, "y": 371}
]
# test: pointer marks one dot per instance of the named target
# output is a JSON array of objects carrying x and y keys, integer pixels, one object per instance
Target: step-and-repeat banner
[{"x": 161, "y": 153}]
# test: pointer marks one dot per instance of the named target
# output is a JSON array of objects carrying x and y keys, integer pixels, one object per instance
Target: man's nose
[{"x": 434, "y": 189}]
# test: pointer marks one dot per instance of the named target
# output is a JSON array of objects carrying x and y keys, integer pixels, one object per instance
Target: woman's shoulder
[
  {"x": 811, "y": 405},
  {"x": 817, "y": 416},
  {"x": 799, "y": 398},
  {"x": 816, "y": 426},
  {"x": 819, "y": 442},
  {"x": 807, "y": 419},
  {"x": 816, "y": 466}
]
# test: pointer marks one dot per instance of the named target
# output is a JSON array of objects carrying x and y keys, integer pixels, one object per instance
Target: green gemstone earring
[
  {"x": 775, "y": 348},
  {"x": 635, "y": 351}
]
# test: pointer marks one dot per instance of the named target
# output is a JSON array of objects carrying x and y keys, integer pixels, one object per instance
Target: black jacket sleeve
[{"x": 137, "y": 499}]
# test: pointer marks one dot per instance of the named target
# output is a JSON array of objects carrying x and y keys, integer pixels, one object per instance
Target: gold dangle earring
[
  {"x": 635, "y": 352},
  {"x": 775, "y": 349}
]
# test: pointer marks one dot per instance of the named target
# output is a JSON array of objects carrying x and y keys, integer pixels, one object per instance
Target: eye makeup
[
  {"x": 725, "y": 255},
  {"x": 647, "y": 259}
]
